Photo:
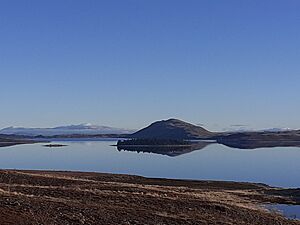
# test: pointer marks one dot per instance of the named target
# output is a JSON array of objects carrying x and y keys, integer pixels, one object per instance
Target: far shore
[{"x": 151, "y": 146}]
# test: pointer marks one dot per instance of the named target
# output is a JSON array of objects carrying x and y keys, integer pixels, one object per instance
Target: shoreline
[{"x": 61, "y": 197}]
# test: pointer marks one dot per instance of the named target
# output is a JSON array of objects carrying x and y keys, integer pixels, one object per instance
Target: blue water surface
[{"x": 274, "y": 166}]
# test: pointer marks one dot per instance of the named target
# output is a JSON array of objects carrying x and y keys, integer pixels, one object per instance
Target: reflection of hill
[
  {"x": 261, "y": 144},
  {"x": 165, "y": 150}
]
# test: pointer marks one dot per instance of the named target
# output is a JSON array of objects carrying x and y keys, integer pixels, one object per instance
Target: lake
[{"x": 273, "y": 166}]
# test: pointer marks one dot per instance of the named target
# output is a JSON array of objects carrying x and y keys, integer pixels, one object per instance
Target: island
[
  {"x": 54, "y": 145},
  {"x": 154, "y": 142}
]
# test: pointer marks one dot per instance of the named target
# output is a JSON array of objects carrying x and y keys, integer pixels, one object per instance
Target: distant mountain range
[
  {"x": 242, "y": 130},
  {"x": 164, "y": 129},
  {"x": 81, "y": 129}
]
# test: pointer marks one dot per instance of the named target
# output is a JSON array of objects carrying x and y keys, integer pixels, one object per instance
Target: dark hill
[
  {"x": 9, "y": 140},
  {"x": 172, "y": 129},
  {"x": 253, "y": 140}
]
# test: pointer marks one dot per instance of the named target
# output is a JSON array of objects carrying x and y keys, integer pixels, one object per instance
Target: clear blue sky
[{"x": 126, "y": 63}]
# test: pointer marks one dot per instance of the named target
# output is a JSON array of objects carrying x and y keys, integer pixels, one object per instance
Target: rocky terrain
[{"x": 40, "y": 197}]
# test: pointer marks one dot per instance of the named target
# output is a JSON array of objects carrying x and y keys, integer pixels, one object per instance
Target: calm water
[
  {"x": 289, "y": 211},
  {"x": 273, "y": 166}
]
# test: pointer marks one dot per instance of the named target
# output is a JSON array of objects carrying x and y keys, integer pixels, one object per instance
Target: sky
[{"x": 127, "y": 63}]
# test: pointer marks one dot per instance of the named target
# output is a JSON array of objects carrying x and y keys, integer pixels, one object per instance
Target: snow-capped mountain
[
  {"x": 65, "y": 130},
  {"x": 277, "y": 129},
  {"x": 248, "y": 129}
]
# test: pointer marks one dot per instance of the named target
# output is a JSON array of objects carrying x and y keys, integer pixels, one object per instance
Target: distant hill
[
  {"x": 81, "y": 129},
  {"x": 263, "y": 139},
  {"x": 9, "y": 140},
  {"x": 172, "y": 129}
]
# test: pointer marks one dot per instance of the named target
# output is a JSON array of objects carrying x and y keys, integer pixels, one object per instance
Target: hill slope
[{"x": 172, "y": 129}]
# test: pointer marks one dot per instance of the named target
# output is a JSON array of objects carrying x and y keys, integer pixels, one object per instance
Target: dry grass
[{"x": 50, "y": 198}]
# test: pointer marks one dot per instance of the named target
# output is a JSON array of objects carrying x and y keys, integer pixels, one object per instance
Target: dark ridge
[
  {"x": 10, "y": 140},
  {"x": 254, "y": 140}
]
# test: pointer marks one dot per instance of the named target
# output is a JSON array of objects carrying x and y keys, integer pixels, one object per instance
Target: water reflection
[
  {"x": 249, "y": 144},
  {"x": 166, "y": 150},
  {"x": 273, "y": 166}
]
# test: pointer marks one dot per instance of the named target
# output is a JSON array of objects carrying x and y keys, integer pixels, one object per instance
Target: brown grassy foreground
[{"x": 38, "y": 197}]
